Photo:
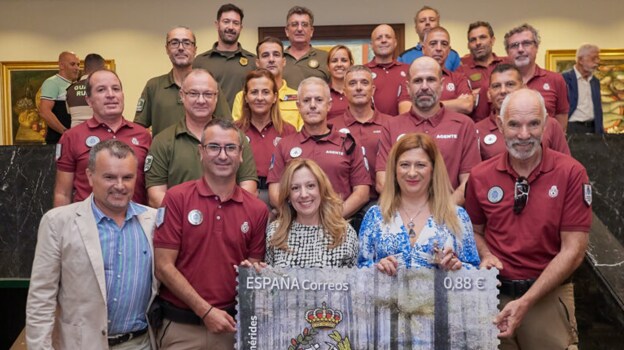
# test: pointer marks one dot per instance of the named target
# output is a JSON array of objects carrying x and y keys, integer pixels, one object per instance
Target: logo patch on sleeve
[
  {"x": 160, "y": 216},
  {"x": 587, "y": 194},
  {"x": 140, "y": 105}
]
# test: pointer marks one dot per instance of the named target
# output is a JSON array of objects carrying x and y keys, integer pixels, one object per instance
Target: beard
[
  {"x": 523, "y": 155},
  {"x": 425, "y": 101}
]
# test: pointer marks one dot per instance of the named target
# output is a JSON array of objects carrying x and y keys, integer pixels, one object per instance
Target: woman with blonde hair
[
  {"x": 416, "y": 222},
  {"x": 309, "y": 230},
  {"x": 262, "y": 123},
  {"x": 339, "y": 59}
]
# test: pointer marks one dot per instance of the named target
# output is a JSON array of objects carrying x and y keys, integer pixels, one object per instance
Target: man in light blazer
[
  {"x": 92, "y": 278},
  {"x": 585, "y": 114}
]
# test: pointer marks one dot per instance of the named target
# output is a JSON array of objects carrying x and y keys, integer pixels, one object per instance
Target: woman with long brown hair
[
  {"x": 416, "y": 222},
  {"x": 339, "y": 59}
]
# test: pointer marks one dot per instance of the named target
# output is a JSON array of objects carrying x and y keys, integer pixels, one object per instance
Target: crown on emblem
[{"x": 323, "y": 317}]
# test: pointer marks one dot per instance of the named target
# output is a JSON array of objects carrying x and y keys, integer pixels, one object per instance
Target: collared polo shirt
[
  {"x": 211, "y": 235},
  {"x": 553, "y": 88},
  {"x": 339, "y": 104},
  {"x": 479, "y": 77},
  {"x": 390, "y": 81},
  {"x": 312, "y": 64},
  {"x": 454, "y": 84},
  {"x": 454, "y": 133},
  {"x": 527, "y": 242},
  {"x": 344, "y": 170},
  {"x": 264, "y": 142},
  {"x": 174, "y": 158},
  {"x": 72, "y": 152}
]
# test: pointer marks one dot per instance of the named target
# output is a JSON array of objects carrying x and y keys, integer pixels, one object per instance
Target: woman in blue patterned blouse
[
  {"x": 309, "y": 230},
  {"x": 416, "y": 223}
]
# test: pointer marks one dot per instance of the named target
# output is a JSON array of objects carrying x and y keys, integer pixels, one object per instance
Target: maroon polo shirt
[
  {"x": 339, "y": 104},
  {"x": 264, "y": 142},
  {"x": 76, "y": 143},
  {"x": 330, "y": 152},
  {"x": 211, "y": 236},
  {"x": 479, "y": 77},
  {"x": 491, "y": 141},
  {"x": 367, "y": 135},
  {"x": 454, "y": 133},
  {"x": 390, "y": 81},
  {"x": 526, "y": 242},
  {"x": 553, "y": 88},
  {"x": 454, "y": 84}
]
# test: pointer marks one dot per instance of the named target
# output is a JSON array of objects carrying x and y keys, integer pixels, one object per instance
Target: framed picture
[
  {"x": 355, "y": 37},
  {"x": 611, "y": 76},
  {"x": 21, "y": 83}
]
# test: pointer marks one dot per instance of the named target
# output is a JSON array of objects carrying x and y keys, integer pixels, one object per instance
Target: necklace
[{"x": 411, "y": 224}]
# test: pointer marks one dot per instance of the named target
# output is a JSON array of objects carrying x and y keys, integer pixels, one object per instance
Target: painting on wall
[
  {"x": 355, "y": 37},
  {"x": 610, "y": 73},
  {"x": 21, "y": 83}
]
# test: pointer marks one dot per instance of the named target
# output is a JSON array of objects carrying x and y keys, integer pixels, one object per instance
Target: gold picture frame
[
  {"x": 610, "y": 73},
  {"x": 21, "y": 81}
]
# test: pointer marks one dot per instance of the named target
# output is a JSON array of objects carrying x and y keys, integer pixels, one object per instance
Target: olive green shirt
[
  {"x": 173, "y": 158},
  {"x": 312, "y": 64},
  {"x": 160, "y": 105},
  {"x": 229, "y": 68}
]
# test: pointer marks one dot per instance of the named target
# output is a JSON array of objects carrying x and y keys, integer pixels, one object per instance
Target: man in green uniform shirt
[
  {"x": 160, "y": 105},
  {"x": 227, "y": 61},
  {"x": 174, "y": 155}
]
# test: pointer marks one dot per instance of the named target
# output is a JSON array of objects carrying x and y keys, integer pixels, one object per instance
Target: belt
[
  {"x": 516, "y": 288},
  {"x": 262, "y": 183},
  {"x": 186, "y": 316},
  {"x": 122, "y": 338},
  {"x": 589, "y": 123}
]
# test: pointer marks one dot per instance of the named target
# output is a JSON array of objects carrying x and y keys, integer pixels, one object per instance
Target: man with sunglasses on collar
[
  {"x": 531, "y": 212},
  {"x": 335, "y": 152}
]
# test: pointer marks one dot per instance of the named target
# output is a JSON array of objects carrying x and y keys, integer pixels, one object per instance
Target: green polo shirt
[
  {"x": 229, "y": 68},
  {"x": 312, "y": 64},
  {"x": 160, "y": 105},
  {"x": 173, "y": 158}
]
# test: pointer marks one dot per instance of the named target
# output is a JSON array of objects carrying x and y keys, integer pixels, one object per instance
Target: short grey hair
[
  {"x": 523, "y": 28},
  {"x": 313, "y": 81},
  {"x": 586, "y": 49},
  {"x": 115, "y": 148},
  {"x": 539, "y": 97}
]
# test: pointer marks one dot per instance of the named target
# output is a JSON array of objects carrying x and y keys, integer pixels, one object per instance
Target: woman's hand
[
  {"x": 447, "y": 259},
  {"x": 258, "y": 265},
  {"x": 388, "y": 265}
]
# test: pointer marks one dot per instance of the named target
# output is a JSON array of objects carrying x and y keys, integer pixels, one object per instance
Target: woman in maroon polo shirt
[
  {"x": 339, "y": 60},
  {"x": 262, "y": 123}
]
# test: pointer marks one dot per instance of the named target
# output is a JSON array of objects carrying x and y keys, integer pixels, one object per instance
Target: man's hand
[
  {"x": 219, "y": 321},
  {"x": 489, "y": 260},
  {"x": 510, "y": 317}
]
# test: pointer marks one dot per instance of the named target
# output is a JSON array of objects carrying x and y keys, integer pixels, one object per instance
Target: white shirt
[{"x": 585, "y": 106}]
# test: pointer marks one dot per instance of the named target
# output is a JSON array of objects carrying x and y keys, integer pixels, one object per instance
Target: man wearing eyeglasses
[
  {"x": 302, "y": 59},
  {"x": 160, "y": 105},
  {"x": 531, "y": 212},
  {"x": 174, "y": 157},
  {"x": 227, "y": 61},
  {"x": 203, "y": 229},
  {"x": 521, "y": 44}
]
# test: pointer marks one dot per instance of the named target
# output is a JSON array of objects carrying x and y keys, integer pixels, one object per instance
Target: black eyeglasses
[
  {"x": 213, "y": 149},
  {"x": 521, "y": 194},
  {"x": 175, "y": 43}
]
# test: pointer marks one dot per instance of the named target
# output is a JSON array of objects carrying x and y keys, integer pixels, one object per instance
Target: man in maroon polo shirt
[
  {"x": 390, "y": 76},
  {"x": 453, "y": 132},
  {"x": 105, "y": 96},
  {"x": 531, "y": 212},
  {"x": 336, "y": 153},
  {"x": 522, "y": 44},
  {"x": 203, "y": 228},
  {"x": 456, "y": 92},
  {"x": 478, "y": 65},
  {"x": 361, "y": 120},
  {"x": 504, "y": 80}
]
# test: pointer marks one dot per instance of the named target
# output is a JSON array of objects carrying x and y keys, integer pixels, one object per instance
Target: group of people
[{"x": 422, "y": 161}]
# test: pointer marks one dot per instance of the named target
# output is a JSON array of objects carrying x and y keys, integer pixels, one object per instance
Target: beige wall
[{"x": 132, "y": 31}]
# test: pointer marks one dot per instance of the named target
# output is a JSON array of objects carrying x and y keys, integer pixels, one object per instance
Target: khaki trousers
[
  {"x": 180, "y": 336},
  {"x": 550, "y": 324}
]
